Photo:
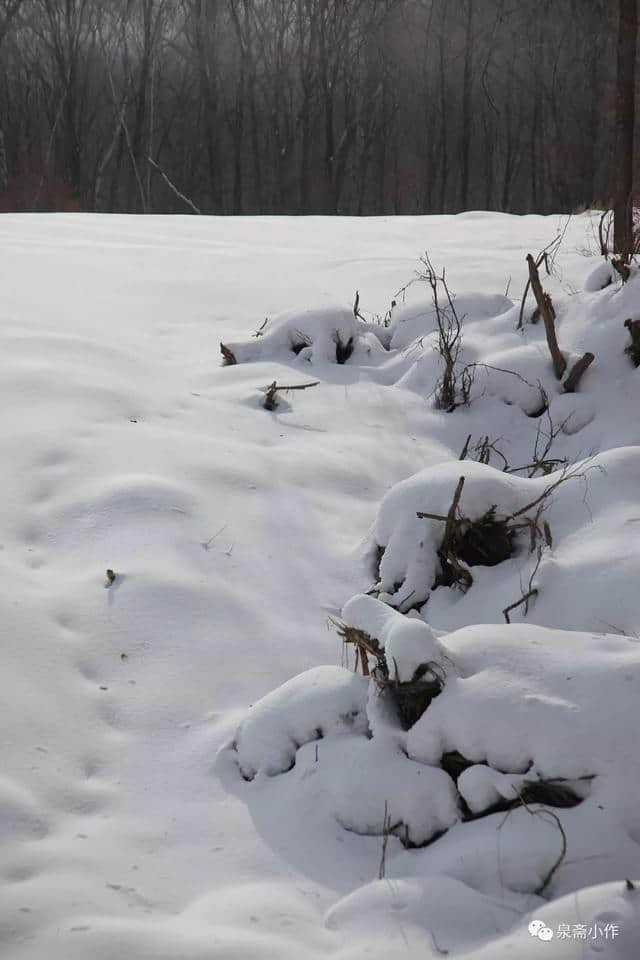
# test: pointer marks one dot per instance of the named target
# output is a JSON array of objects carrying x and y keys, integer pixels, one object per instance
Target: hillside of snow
[{"x": 192, "y": 766}]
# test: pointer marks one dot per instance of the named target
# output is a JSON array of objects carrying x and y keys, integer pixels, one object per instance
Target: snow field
[{"x": 235, "y": 532}]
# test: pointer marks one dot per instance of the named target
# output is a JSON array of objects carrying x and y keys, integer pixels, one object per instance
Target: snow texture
[{"x": 235, "y": 532}]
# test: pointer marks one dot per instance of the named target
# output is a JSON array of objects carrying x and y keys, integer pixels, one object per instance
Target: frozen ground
[{"x": 145, "y": 811}]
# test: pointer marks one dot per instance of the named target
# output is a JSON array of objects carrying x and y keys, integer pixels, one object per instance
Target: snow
[
  {"x": 147, "y": 810},
  {"x": 408, "y": 644},
  {"x": 322, "y": 702}
]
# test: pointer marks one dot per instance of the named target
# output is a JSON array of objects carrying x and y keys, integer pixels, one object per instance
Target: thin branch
[{"x": 173, "y": 188}]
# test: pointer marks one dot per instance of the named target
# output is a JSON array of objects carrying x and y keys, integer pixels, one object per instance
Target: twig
[
  {"x": 603, "y": 234},
  {"x": 512, "y": 606},
  {"x": 465, "y": 449},
  {"x": 543, "y": 257},
  {"x": 386, "y": 829},
  {"x": 173, "y": 188},
  {"x": 270, "y": 399}
]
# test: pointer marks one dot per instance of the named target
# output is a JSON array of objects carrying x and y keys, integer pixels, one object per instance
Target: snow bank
[{"x": 323, "y": 702}]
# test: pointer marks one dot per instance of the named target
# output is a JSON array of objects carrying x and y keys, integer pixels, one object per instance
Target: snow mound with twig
[
  {"x": 329, "y": 335},
  {"x": 407, "y": 644},
  {"x": 411, "y": 322},
  {"x": 575, "y": 502},
  {"x": 528, "y": 720}
]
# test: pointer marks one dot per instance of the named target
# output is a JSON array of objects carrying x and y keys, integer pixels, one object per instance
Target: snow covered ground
[{"x": 146, "y": 810}]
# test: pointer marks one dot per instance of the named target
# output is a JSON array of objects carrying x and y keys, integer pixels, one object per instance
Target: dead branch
[
  {"x": 524, "y": 599},
  {"x": 531, "y": 590},
  {"x": 356, "y": 308},
  {"x": 465, "y": 449},
  {"x": 270, "y": 398},
  {"x": 604, "y": 233},
  {"x": 543, "y": 257},
  {"x": 173, "y": 188},
  {"x": 541, "y": 461},
  {"x": 633, "y": 350},
  {"x": 364, "y": 645},
  {"x": 576, "y": 372},
  {"x": 621, "y": 268},
  {"x": 228, "y": 357},
  {"x": 260, "y": 331},
  {"x": 563, "y": 850},
  {"x": 548, "y": 315},
  {"x": 386, "y": 831},
  {"x": 544, "y": 399},
  {"x": 451, "y": 516},
  {"x": 453, "y": 388}
]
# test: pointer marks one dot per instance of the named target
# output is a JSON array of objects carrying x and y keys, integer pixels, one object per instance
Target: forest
[{"x": 358, "y": 107}]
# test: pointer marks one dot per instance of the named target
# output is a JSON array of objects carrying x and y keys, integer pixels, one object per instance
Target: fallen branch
[
  {"x": 548, "y": 315},
  {"x": 270, "y": 399},
  {"x": 576, "y": 372}
]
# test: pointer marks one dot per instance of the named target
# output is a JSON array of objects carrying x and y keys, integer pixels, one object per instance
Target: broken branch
[{"x": 548, "y": 315}]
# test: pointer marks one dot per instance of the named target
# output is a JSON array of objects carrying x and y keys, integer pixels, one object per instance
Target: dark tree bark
[{"x": 625, "y": 119}]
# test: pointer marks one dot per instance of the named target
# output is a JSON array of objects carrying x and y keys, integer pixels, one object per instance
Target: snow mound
[
  {"x": 323, "y": 702},
  {"x": 410, "y": 322},
  {"x": 599, "y": 278},
  {"x": 409, "y": 563},
  {"x": 585, "y": 523},
  {"x": 517, "y": 686},
  {"x": 458, "y": 917},
  {"x": 330, "y": 335},
  {"x": 374, "y": 788}
]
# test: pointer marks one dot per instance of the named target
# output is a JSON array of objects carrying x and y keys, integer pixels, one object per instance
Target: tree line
[{"x": 306, "y": 106}]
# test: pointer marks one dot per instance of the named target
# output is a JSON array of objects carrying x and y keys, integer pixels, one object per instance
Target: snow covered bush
[{"x": 329, "y": 335}]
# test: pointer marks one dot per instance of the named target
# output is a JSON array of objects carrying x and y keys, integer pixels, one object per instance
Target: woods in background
[{"x": 306, "y": 106}]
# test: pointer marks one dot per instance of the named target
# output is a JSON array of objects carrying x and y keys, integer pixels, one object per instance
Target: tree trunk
[{"x": 625, "y": 116}]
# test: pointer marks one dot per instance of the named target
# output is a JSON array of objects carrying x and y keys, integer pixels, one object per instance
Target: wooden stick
[
  {"x": 465, "y": 449},
  {"x": 451, "y": 516},
  {"x": 548, "y": 315},
  {"x": 576, "y": 372}
]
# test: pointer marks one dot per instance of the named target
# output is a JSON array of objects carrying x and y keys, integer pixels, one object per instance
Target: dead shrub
[{"x": 409, "y": 697}]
